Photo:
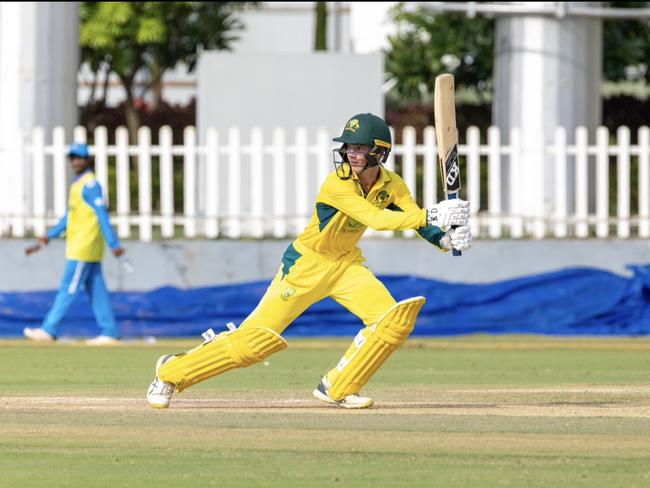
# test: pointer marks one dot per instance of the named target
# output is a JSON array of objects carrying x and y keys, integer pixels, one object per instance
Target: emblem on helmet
[{"x": 352, "y": 125}]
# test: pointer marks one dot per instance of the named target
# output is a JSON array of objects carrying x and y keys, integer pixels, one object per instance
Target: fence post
[
  {"x": 430, "y": 181},
  {"x": 165, "y": 138},
  {"x": 408, "y": 166},
  {"x": 494, "y": 181},
  {"x": 38, "y": 180},
  {"x": 212, "y": 183},
  {"x": 302, "y": 179},
  {"x": 473, "y": 190},
  {"x": 390, "y": 162},
  {"x": 101, "y": 160},
  {"x": 189, "y": 181},
  {"x": 18, "y": 190},
  {"x": 516, "y": 221},
  {"x": 644, "y": 181},
  {"x": 79, "y": 134},
  {"x": 582, "y": 182},
  {"x": 279, "y": 183},
  {"x": 144, "y": 182},
  {"x": 623, "y": 190},
  {"x": 602, "y": 182},
  {"x": 323, "y": 155},
  {"x": 60, "y": 183},
  {"x": 257, "y": 183},
  {"x": 234, "y": 183},
  {"x": 560, "y": 183},
  {"x": 123, "y": 190}
]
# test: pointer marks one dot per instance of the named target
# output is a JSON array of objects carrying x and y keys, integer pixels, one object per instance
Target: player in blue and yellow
[
  {"x": 86, "y": 225},
  {"x": 324, "y": 261}
]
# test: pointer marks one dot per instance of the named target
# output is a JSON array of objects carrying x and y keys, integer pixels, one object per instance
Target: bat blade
[{"x": 447, "y": 136}]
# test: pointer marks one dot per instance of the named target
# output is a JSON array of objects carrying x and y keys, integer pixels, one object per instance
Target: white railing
[{"x": 264, "y": 185}]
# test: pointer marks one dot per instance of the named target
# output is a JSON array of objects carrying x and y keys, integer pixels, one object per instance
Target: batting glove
[
  {"x": 449, "y": 212},
  {"x": 459, "y": 239}
]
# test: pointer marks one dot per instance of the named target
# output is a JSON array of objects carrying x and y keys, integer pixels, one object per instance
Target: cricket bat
[{"x": 447, "y": 136}]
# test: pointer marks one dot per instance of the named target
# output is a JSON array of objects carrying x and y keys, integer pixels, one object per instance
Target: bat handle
[{"x": 452, "y": 196}]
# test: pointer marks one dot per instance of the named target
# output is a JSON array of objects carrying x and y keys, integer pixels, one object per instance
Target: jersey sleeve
[
  {"x": 92, "y": 195},
  {"x": 404, "y": 202},
  {"x": 59, "y": 228},
  {"x": 340, "y": 196}
]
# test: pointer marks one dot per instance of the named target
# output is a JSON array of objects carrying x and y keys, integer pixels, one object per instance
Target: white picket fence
[{"x": 264, "y": 185}]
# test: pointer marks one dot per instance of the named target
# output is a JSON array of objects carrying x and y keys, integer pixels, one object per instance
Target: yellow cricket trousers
[{"x": 306, "y": 277}]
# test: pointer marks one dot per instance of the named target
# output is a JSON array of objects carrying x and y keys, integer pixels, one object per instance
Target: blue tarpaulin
[{"x": 579, "y": 301}]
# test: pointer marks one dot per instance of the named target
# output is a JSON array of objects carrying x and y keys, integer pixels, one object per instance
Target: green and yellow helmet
[{"x": 369, "y": 130}]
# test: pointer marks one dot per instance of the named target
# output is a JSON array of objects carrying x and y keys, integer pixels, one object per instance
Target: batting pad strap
[
  {"x": 228, "y": 350},
  {"x": 372, "y": 347}
]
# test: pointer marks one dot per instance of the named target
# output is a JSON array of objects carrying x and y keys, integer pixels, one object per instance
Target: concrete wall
[
  {"x": 289, "y": 90},
  {"x": 207, "y": 263}
]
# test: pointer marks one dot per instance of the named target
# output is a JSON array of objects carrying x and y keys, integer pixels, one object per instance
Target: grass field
[{"x": 466, "y": 412}]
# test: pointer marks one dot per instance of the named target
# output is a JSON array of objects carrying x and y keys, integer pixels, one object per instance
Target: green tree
[
  {"x": 626, "y": 45},
  {"x": 428, "y": 44},
  {"x": 152, "y": 37},
  {"x": 320, "y": 40}
]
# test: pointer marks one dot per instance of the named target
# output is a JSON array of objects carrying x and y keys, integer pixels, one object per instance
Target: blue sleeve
[
  {"x": 429, "y": 233},
  {"x": 92, "y": 195},
  {"x": 59, "y": 228}
]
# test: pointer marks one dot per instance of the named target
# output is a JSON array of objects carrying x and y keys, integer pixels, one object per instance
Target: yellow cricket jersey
[
  {"x": 343, "y": 212},
  {"x": 85, "y": 241}
]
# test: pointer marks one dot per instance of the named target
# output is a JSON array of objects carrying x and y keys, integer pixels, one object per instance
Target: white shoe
[
  {"x": 160, "y": 392},
  {"x": 102, "y": 340},
  {"x": 38, "y": 334},
  {"x": 351, "y": 401}
]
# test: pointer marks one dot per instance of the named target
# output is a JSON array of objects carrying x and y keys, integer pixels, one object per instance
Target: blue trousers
[{"x": 80, "y": 275}]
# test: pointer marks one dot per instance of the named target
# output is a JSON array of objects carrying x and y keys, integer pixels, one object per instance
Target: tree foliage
[
  {"x": 626, "y": 46},
  {"x": 428, "y": 44},
  {"x": 133, "y": 38}
]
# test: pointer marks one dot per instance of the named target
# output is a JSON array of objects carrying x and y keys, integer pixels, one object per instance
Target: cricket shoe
[
  {"x": 351, "y": 401},
  {"x": 102, "y": 340},
  {"x": 38, "y": 334},
  {"x": 160, "y": 392}
]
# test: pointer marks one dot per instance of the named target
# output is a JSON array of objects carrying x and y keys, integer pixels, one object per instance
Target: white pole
[
  {"x": 602, "y": 182},
  {"x": 279, "y": 183},
  {"x": 430, "y": 190},
  {"x": 101, "y": 160},
  {"x": 212, "y": 183},
  {"x": 323, "y": 156},
  {"x": 302, "y": 179},
  {"x": 234, "y": 183},
  {"x": 144, "y": 182},
  {"x": 516, "y": 184},
  {"x": 165, "y": 138},
  {"x": 494, "y": 181},
  {"x": 20, "y": 197},
  {"x": 560, "y": 172},
  {"x": 644, "y": 182},
  {"x": 257, "y": 183},
  {"x": 79, "y": 134},
  {"x": 189, "y": 180},
  {"x": 38, "y": 159},
  {"x": 122, "y": 180},
  {"x": 582, "y": 182},
  {"x": 408, "y": 166},
  {"x": 623, "y": 226},
  {"x": 60, "y": 179}
]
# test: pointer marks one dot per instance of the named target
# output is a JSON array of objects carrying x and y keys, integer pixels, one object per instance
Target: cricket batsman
[
  {"x": 86, "y": 225},
  {"x": 324, "y": 261}
]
